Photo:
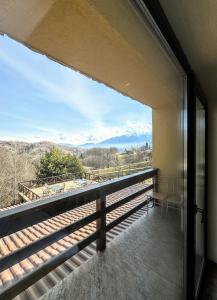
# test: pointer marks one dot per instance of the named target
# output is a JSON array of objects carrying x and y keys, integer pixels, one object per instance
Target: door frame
[
  {"x": 193, "y": 88},
  {"x": 198, "y": 93}
]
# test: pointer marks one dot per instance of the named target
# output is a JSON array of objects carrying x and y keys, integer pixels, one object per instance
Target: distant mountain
[
  {"x": 123, "y": 141},
  {"x": 89, "y": 145},
  {"x": 36, "y": 150}
]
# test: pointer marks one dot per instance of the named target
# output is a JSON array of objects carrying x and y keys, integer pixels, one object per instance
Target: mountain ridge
[{"x": 126, "y": 140}]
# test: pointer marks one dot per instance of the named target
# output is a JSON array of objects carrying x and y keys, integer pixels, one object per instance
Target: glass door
[{"x": 199, "y": 195}]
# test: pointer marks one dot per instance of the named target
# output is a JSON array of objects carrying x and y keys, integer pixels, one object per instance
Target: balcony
[
  {"x": 43, "y": 241},
  {"x": 45, "y": 187},
  {"x": 143, "y": 262}
]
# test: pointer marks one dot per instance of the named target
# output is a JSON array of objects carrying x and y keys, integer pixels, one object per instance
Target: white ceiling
[{"x": 195, "y": 25}]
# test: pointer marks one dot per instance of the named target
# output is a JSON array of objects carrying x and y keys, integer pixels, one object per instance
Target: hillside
[
  {"x": 35, "y": 150},
  {"x": 18, "y": 162}
]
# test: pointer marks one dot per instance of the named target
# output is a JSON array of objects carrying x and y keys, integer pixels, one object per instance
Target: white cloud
[
  {"x": 138, "y": 127},
  {"x": 71, "y": 91},
  {"x": 74, "y": 91},
  {"x": 99, "y": 133},
  {"x": 102, "y": 132}
]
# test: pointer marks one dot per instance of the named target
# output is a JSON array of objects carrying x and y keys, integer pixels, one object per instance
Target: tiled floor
[{"x": 143, "y": 262}]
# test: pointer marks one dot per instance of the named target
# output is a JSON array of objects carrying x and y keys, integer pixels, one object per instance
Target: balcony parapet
[{"x": 18, "y": 218}]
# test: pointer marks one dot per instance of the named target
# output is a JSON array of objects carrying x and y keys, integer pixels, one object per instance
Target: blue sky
[{"x": 43, "y": 100}]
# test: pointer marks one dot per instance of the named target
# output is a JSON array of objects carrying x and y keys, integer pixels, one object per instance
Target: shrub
[{"x": 55, "y": 163}]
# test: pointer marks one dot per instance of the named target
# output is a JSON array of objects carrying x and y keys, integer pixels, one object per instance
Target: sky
[{"x": 43, "y": 100}]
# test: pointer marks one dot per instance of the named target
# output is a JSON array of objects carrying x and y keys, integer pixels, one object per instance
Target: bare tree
[
  {"x": 99, "y": 158},
  {"x": 14, "y": 168}
]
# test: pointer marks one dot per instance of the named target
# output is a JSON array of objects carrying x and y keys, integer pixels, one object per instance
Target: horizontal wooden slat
[
  {"x": 20, "y": 217},
  {"x": 126, "y": 215},
  {"x": 20, "y": 285},
  {"x": 22, "y": 253},
  {"x": 127, "y": 199},
  {"x": 29, "y": 214}
]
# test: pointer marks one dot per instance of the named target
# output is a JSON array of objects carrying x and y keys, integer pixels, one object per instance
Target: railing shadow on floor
[{"x": 18, "y": 218}]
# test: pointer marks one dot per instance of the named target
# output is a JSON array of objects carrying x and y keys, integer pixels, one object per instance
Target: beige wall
[
  {"x": 167, "y": 147},
  {"x": 212, "y": 182}
]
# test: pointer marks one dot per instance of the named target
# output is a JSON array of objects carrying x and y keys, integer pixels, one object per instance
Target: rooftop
[
  {"x": 143, "y": 262},
  {"x": 10, "y": 243}
]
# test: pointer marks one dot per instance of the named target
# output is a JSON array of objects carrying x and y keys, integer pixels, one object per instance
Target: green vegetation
[
  {"x": 21, "y": 161},
  {"x": 55, "y": 163},
  {"x": 122, "y": 170},
  {"x": 134, "y": 166},
  {"x": 101, "y": 158}
]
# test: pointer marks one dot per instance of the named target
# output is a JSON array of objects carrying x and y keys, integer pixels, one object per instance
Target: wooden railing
[
  {"x": 29, "y": 214},
  {"x": 119, "y": 173},
  {"x": 124, "y": 168},
  {"x": 26, "y": 187},
  {"x": 27, "y": 192},
  {"x": 60, "y": 178}
]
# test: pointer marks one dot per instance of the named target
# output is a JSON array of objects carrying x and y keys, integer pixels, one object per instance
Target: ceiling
[
  {"x": 195, "y": 25},
  {"x": 106, "y": 40},
  {"x": 102, "y": 39}
]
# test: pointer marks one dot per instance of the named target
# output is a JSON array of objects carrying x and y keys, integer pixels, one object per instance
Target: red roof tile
[{"x": 26, "y": 236}]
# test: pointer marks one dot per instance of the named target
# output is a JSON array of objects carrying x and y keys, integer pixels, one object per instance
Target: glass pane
[
  {"x": 200, "y": 191},
  {"x": 115, "y": 43}
]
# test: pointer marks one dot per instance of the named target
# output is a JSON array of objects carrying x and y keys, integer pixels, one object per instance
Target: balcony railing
[
  {"x": 22, "y": 188},
  {"x": 18, "y": 218},
  {"x": 26, "y": 187}
]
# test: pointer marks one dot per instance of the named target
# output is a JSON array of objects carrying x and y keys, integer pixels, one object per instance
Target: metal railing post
[{"x": 101, "y": 223}]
